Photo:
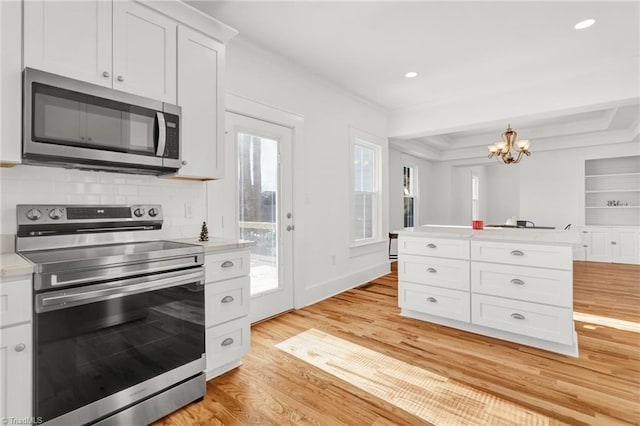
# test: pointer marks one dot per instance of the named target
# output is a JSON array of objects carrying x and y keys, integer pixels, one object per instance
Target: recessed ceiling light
[
  {"x": 584, "y": 24},
  {"x": 411, "y": 74}
]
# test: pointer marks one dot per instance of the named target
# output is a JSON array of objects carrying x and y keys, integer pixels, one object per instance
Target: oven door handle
[{"x": 69, "y": 298}]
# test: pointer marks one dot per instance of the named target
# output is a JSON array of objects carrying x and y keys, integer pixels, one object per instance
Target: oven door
[{"x": 103, "y": 347}]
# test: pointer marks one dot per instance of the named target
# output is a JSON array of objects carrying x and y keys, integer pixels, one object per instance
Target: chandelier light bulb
[{"x": 510, "y": 150}]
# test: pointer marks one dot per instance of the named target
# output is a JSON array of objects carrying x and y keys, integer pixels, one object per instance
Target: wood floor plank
[{"x": 601, "y": 387}]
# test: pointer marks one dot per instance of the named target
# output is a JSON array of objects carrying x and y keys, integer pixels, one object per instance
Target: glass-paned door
[
  {"x": 258, "y": 207},
  {"x": 265, "y": 216}
]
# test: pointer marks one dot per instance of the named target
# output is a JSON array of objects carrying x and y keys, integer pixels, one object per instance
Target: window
[
  {"x": 408, "y": 191},
  {"x": 366, "y": 197},
  {"x": 475, "y": 197}
]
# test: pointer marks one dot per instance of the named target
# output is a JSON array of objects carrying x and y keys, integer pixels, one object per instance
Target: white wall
[
  {"x": 321, "y": 168},
  {"x": 422, "y": 170}
]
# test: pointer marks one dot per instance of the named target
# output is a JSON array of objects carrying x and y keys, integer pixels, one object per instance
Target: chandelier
[{"x": 507, "y": 149}]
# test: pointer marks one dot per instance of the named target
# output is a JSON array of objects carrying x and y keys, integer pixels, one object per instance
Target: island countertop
[{"x": 524, "y": 235}]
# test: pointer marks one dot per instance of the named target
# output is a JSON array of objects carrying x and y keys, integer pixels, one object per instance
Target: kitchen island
[{"x": 511, "y": 284}]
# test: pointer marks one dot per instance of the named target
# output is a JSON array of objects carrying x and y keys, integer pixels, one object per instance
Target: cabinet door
[
  {"x": 10, "y": 83},
  {"x": 70, "y": 38},
  {"x": 144, "y": 51},
  {"x": 200, "y": 61},
  {"x": 599, "y": 244},
  {"x": 15, "y": 372},
  {"x": 625, "y": 249}
]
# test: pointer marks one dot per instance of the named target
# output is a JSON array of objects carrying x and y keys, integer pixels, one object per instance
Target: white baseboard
[{"x": 330, "y": 288}]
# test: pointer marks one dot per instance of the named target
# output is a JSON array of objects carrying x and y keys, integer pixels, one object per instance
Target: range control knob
[
  {"x": 138, "y": 212},
  {"x": 55, "y": 214},
  {"x": 34, "y": 214},
  {"x": 153, "y": 212}
]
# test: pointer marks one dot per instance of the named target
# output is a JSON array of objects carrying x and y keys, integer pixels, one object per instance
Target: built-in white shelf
[
  {"x": 611, "y": 174},
  {"x": 597, "y": 191},
  {"x": 612, "y": 207},
  {"x": 615, "y": 180}
]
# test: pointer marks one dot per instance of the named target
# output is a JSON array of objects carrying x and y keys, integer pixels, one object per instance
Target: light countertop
[
  {"x": 13, "y": 265},
  {"x": 218, "y": 244},
  {"x": 524, "y": 235}
]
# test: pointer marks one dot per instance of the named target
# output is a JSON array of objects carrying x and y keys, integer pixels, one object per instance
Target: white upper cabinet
[
  {"x": 144, "y": 51},
  {"x": 200, "y": 68},
  {"x": 70, "y": 38},
  {"x": 123, "y": 44}
]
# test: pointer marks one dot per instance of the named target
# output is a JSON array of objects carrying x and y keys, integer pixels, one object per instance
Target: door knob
[
  {"x": 106, "y": 74},
  {"x": 120, "y": 78},
  {"x": 290, "y": 227},
  {"x": 20, "y": 347}
]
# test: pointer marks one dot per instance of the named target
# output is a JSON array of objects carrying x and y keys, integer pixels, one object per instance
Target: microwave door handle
[{"x": 162, "y": 134}]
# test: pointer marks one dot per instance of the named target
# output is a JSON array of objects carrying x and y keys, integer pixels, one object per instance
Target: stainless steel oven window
[{"x": 90, "y": 351}]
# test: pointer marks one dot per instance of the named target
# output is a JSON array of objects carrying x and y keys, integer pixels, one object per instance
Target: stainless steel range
[{"x": 118, "y": 323}]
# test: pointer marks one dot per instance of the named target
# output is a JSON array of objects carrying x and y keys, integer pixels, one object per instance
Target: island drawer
[
  {"x": 546, "y": 256},
  {"x": 226, "y": 300},
  {"x": 222, "y": 266},
  {"x": 436, "y": 271},
  {"x": 437, "y": 301},
  {"x": 529, "y": 319},
  {"x": 550, "y": 286},
  {"x": 436, "y": 247}
]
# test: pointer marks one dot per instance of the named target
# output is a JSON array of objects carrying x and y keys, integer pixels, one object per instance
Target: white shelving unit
[{"x": 612, "y": 191}]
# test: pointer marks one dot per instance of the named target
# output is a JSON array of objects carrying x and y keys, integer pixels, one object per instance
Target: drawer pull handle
[
  {"x": 517, "y": 253},
  {"x": 431, "y": 270},
  {"x": 516, "y": 281},
  {"x": 226, "y": 342},
  {"x": 227, "y": 264},
  {"x": 431, "y": 245},
  {"x": 432, "y": 299},
  {"x": 517, "y": 316},
  {"x": 227, "y": 299},
  {"x": 20, "y": 347}
]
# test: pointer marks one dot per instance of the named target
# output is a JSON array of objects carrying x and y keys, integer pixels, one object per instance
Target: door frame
[{"x": 253, "y": 109}]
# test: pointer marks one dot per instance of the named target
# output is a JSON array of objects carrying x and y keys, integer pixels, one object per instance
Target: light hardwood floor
[{"x": 601, "y": 387}]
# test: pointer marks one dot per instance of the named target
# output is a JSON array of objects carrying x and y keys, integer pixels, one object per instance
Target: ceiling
[{"x": 459, "y": 50}]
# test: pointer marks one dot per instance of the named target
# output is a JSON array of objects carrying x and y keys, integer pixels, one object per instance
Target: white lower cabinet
[
  {"x": 611, "y": 244},
  {"x": 226, "y": 310},
  {"x": 15, "y": 372},
  {"x": 520, "y": 292},
  {"x": 16, "y": 351}
]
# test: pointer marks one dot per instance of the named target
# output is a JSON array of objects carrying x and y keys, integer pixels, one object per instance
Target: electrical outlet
[{"x": 188, "y": 210}]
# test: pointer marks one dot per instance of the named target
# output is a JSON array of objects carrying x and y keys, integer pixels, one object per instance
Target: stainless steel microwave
[{"x": 75, "y": 124}]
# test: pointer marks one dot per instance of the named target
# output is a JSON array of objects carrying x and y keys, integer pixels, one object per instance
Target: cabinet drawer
[
  {"x": 227, "y": 342},
  {"x": 222, "y": 266},
  {"x": 438, "y": 301},
  {"x": 557, "y": 257},
  {"x": 528, "y": 319},
  {"x": 437, "y": 247},
  {"x": 449, "y": 273},
  {"x": 550, "y": 286},
  {"x": 226, "y": 300},
  {"x": 15, "y": 302}
]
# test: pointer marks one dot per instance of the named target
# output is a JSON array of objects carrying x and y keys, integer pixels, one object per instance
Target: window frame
[
  {"x": 360, "y": 138},
  {"x": 475, "y": 197},
  {"x": 413, "y": 191}
]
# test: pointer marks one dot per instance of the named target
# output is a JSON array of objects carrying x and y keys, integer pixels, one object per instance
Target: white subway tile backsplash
[
  {"x": 49, "y": 185},
  {"x": 127, "y": 189}
]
